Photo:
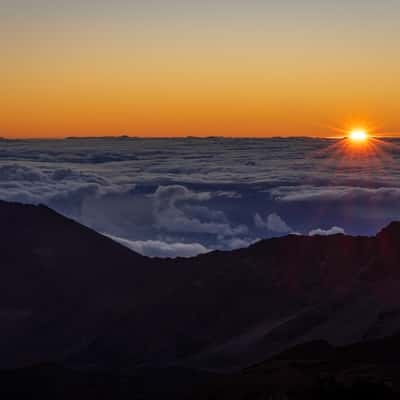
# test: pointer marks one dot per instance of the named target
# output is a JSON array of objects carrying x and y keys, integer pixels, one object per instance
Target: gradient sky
[{"x": 183, "y": 67}]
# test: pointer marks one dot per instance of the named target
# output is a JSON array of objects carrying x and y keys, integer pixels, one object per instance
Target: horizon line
[{"x": 124, "y": 136}]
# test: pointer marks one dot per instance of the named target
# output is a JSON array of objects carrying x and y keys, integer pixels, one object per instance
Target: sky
[
  {"x": 181, "y": 68},
  {"x": 183, "y": 197}
]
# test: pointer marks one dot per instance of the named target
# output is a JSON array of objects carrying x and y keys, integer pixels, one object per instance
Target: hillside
[{"x": 71, "y": 295}]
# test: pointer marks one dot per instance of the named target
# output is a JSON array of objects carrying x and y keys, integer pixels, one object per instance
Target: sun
[{"x": 358, "y": 135}]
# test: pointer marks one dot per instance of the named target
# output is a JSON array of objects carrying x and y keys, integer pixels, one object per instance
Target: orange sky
[{"x": 177, "y": 68}]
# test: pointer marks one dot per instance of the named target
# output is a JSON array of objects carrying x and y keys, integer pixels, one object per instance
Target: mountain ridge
[{"x": 70, "y": 294}]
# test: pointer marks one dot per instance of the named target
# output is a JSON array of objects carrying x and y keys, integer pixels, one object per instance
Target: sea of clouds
[{"x": 182, "y": 197}]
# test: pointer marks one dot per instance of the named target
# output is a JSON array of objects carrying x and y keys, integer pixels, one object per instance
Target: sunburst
[{"x": 358, "y": 135}]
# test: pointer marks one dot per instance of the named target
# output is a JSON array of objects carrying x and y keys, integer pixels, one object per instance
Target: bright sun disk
[{"x": 358, "y": 135}]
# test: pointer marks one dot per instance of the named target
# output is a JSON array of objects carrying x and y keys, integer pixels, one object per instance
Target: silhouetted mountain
[
  {"x": 59, "y": 283},
  {"x": 72, "y": 296},
  {"x": 316, "y": 370},
  {"x": 52, "y": 381}
]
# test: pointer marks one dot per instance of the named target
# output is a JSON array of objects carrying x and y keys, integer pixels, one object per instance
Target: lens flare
[{"x": 359, "y": 148}]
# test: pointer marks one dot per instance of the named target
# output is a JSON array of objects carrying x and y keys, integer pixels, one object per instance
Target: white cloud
[
  {"x": 171, "y": 215},
  {"x": 274, "y": 223},
  {"x": 62, "y": 188},
  {"x": 16, "y": 172},
  {"x": 334, "y": 193},
  {"x": 326, "y": 232},
  {"x": 157, "y": 248}
]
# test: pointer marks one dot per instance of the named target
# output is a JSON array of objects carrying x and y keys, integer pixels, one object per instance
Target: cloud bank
[
  {"x": 157, "y": 248},
  {"x": 187, "y": 196},
  {"x": 335, "y": 230}
]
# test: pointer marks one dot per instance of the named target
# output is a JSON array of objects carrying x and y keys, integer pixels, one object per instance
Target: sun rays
[{"x": 359, "y": 156}]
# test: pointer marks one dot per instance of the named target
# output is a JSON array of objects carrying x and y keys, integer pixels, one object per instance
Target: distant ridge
[{"x": 118, "y": 137}]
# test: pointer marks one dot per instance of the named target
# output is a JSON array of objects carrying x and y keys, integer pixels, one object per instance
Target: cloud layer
[{"x": 169, "y": 197}]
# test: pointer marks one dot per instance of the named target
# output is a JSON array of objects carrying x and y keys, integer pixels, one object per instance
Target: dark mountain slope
[
  {"x": 59, "y": 281},
  {"x": 316, "y": 370},
  {"x": 69, "y": 293},
  {"x": 232, "y": 309}
]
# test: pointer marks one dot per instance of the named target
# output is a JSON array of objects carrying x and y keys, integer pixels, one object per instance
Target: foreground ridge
[{"x": 73, "y": 298}]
